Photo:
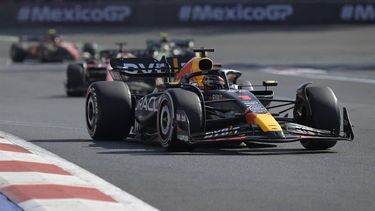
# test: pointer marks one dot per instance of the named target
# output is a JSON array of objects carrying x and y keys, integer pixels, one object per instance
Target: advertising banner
[{"x": 175, "y": 13}]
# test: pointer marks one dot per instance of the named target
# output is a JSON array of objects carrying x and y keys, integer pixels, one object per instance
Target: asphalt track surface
[{"x": 33, "y": 106}]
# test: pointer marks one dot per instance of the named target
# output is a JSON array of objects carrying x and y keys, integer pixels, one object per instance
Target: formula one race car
[
  {"x": 205, "y": 104},
  {"x": 92, "y": 67},
  {"x": 166, "y": 47},
  {"x": 50, "y": 48}
]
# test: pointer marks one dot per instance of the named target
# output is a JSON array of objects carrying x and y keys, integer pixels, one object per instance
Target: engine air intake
[{"x": 205, "y": 64}]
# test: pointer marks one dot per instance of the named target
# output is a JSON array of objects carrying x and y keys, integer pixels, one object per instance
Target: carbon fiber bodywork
[{"x": 228, "y": 113}]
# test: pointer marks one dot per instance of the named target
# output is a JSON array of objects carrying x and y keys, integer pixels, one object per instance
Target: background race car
[
  {"x": 48, "y": 48},
  {"x": 93, "y": 67},
  {"x": 167, "y": 47},
  {"x": 201, "y": 104}
]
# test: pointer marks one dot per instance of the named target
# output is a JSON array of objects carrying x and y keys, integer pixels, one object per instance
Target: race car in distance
[
  {"x": 93, "y": 67},
  {"x": 166, "y": 47},
  {"x": 201, "y": 104},
  {"x": 49, "y": 48}
]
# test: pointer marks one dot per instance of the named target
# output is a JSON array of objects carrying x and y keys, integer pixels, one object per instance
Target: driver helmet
[
  {"x": 52, "y": 35},
  {"x": 52, "y": 32},
  {"x": 164, "y": 37},
  {"x": 90, "y": 48},
  {"x": 213, "y": 82}
]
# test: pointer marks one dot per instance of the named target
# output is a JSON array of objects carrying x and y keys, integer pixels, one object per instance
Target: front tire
[
  {"x": 170, "y": 102},
  {"x": 17, "y": 54},
  {"x": 109, "y": 110},
  {"x": 76, "y": 80},
  {"x": 325, "y": 115}
]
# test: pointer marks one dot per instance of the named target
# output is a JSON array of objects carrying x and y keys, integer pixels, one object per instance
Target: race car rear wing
[
  {"x": 187, "y": 43},
  {"x": 182, "y": 43},
  {"x": 148, "y": 67}
]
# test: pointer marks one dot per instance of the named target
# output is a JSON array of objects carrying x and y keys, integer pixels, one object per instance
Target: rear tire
[
  {"x": 170, "y": 102},
  {"x": 76, "y": 80},
  {"x": 109, "y": 111},
  {"x": 17, "y": 54},
  {"x": 325, "y": 115}
]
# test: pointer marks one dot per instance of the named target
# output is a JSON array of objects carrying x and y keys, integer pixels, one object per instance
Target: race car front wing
[{"x": 291, "y": 132}]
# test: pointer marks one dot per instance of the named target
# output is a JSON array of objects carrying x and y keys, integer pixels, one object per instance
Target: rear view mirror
[{"x": 270, "y": 83}]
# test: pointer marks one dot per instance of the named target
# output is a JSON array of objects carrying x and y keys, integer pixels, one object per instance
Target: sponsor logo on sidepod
[
  {"x": 76, "y": 14},
  {"x": 235, "y": 13},
  {"x": 147, "y": 104}
]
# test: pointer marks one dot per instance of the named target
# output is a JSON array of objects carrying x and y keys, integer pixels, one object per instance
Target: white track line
[
  {"x": 67, "y": 204},
  {"x": 4, "y": 141},
  {"x": 16, "y": 156},
  {"x": 7, "y": 38},
  {"x": 31, "y": 178},
  {"x": 126, "y": 199},
  {"x": 316, "y": 74}
]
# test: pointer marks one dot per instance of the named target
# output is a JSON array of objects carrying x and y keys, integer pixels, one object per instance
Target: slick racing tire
[
  {"x": 170, "y": 102},
  {"x": 109, "y": 110},
  {"x": 17, "y": 54},
  {"x": 75, "y": 80},
  {"x": 63, "y": 55},
  {"x": 43, "y": 54},
  {"x": 325, "y": 115}
]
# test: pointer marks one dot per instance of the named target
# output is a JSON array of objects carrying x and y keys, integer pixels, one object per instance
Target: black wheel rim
[
  {"x": 90, "y": 112},
  {"x": 165, "y": 120}
]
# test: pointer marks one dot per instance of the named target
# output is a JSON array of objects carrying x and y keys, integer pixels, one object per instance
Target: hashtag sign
[
  {"x": 23, "y": 14},
  {"x": 347, "y": 12},
  {"x": 185, "y": 13}
]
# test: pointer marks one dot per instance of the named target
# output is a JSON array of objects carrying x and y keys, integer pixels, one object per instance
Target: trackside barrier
[{"x": 186, "y": 13}]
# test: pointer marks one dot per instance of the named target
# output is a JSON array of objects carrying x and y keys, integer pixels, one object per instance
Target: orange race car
[{"x": 47, "y": 48}]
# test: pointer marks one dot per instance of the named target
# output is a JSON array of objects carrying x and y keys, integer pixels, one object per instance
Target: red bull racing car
[{"x": 200, "y": 102}]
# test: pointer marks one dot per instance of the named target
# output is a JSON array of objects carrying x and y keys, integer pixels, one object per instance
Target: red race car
[{"x": 48, "y": 48}]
